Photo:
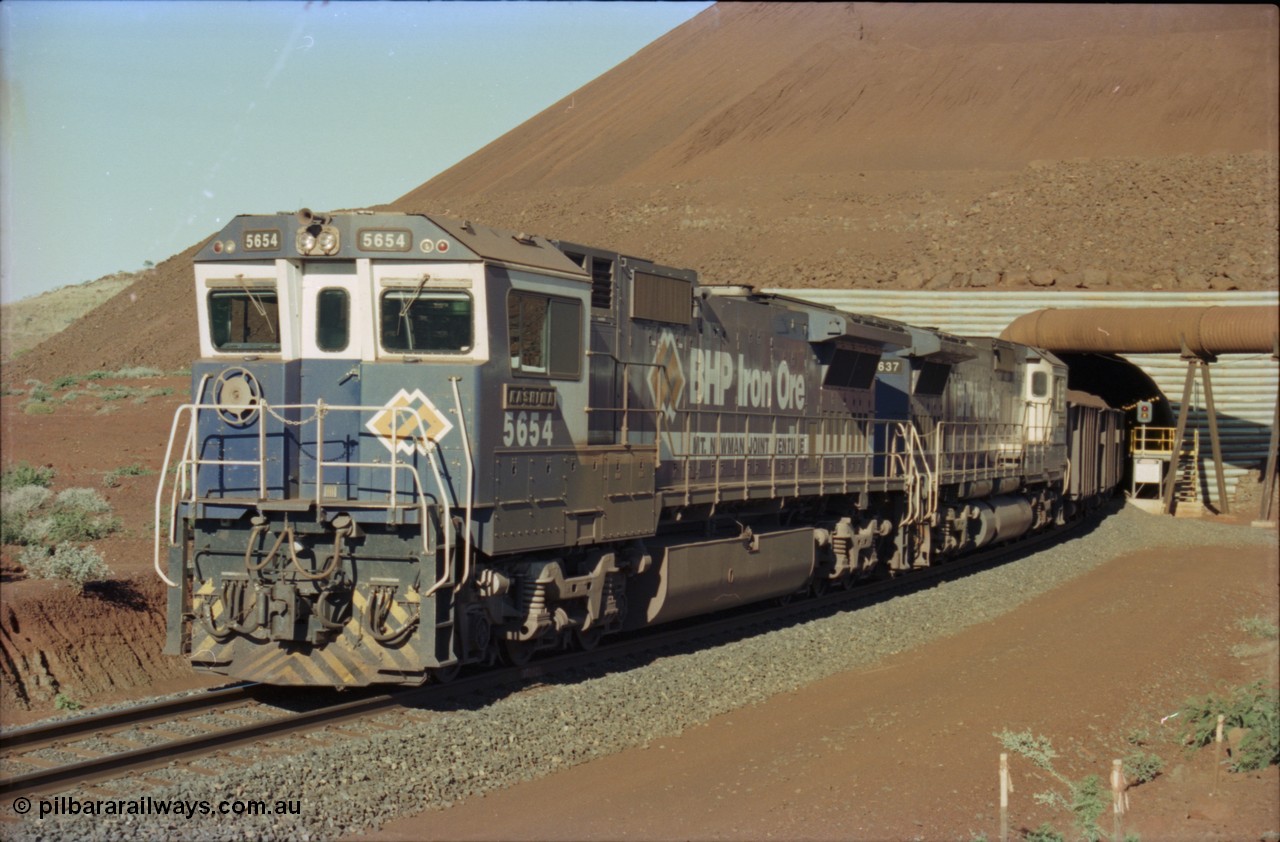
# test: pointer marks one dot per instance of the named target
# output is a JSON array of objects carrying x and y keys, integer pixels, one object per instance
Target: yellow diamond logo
[
  {"x": 405, "y": 419},
  {"x": 666, "y": 378}
]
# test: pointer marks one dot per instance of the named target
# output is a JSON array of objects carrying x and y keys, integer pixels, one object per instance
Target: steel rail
[
  {"x": 99, "y": 768},
  {"x": 64, "y": 729}
]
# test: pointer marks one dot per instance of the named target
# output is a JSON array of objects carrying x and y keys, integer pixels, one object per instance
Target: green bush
[
  {"x": 16, "y": 507},
  {"x": 22, "y": 474},
  {"x": 1259, "y": 627},
  {"x": 1255, "y": 708},
  {"x": 118, "y": 393},
  {"x": 82, "y": 500},
  {"x": 77, "y": 565},
  {"x": 78, "y": 514},
  {"x": 1045, "y": 833},
  {"x": 112, "y": 478},
  {"x": 38, "y": 393},
  {"x": 1088, "y": 798},
  {"x": 64, "y": 702},
  {"x": 135, "y": 373},
  {"x": 1142, "y": 766},
  {"x": 11, "y": 525}
]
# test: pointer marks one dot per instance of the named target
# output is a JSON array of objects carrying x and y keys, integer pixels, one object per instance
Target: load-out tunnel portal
[
  {"x": 1120, "y": 383},
  {"x": 1089, "y": 340}
]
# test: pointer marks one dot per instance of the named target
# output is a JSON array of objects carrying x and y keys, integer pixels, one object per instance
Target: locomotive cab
[{"x": 328, "y": 461}]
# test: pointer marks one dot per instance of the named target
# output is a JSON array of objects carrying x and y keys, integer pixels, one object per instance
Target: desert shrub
[
  {"x": 37, "y": 392},
  {"x": 22, "y": 474},
  {"x": 77, "y": 565},
  {"x": 37, "y": 408},
  {"x": 135, "y": 373},
  {"x": 1088, "y": 799},
  {"x": 26, "y": 499},
  {"x": 1259, "y": 627},
  {"x": 16, "y": 507},
  {"x": 112, "y": 478},
  {"x": 78, "y": 514},
  {"x": 1142, "y": 766},
  {"x": 84, "y": 500},
  {"x": 66, "y": 381},
  {"x": 64, "y": 702},
  {"x": 1045, "y": 833},
  {"x": 1255, "y": 708},
  {"x": 12, "y": 524}
]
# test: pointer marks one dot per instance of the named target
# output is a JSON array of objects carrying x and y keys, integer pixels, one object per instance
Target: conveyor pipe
[{"x": 1200, "y": 331}]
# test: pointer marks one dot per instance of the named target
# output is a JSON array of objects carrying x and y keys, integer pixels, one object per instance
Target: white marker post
[
  {"x": 1004, "y": 797},
  {"x": 1119, "y": 798}
]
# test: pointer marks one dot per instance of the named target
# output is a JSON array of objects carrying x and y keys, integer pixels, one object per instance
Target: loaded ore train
[{"x": 415, "y": 443}]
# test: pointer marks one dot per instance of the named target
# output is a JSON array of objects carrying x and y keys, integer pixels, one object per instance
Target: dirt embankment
[
  {"x": 92, "y": 648},
  {"x": 105, "y": 645},
  {"x": 1184, "y": 223}
]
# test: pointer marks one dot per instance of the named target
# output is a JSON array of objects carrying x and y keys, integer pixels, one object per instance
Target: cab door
[
  {"x": 337, "y": 335},
  {"x": 1038, "y": 398}
]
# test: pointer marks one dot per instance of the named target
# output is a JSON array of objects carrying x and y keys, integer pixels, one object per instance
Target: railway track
[{"x": 242, "y": 702}]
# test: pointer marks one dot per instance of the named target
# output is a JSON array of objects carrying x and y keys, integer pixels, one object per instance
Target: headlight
[{"x": 318, "y": 239}]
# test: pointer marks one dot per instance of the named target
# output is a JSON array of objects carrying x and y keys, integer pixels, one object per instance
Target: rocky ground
[
  {"x": 1188, "y": 223},
  {"x": 875, "y": 724}
]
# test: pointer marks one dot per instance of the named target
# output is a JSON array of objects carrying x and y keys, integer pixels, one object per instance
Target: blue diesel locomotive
[{"x": 415, "y": 443}]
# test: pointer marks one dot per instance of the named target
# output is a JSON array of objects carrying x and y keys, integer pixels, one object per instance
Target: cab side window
[{"x": 545, "y": 335}]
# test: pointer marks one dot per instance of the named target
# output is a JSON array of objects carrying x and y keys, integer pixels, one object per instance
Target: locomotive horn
[{"x": 306, "y": 216}]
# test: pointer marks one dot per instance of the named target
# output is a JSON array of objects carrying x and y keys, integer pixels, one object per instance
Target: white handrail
[
  {"x": 466, "y": 448},
  {"x": 186, "y": 490},
  {"x": 164, "y": 471},
  {"x": 448, "y": 524}
]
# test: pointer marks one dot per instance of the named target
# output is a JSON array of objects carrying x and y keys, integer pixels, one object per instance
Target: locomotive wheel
[
  {"x": 517, "y": 653},
  {"x": 446, "y": 675},
  {"x": 588, "y": 640}
]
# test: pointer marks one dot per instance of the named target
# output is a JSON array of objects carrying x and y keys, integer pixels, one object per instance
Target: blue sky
[{"x": 130, "y": 130}]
